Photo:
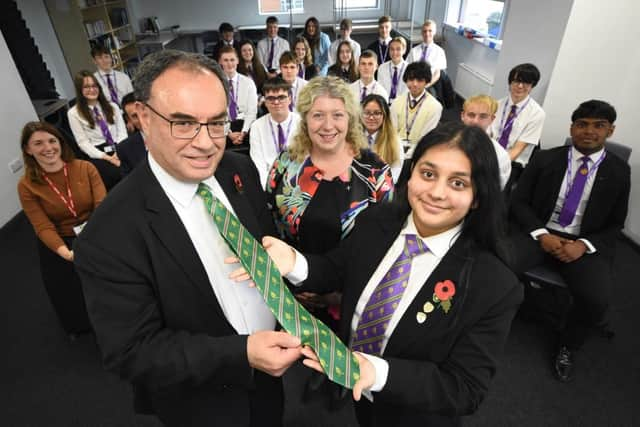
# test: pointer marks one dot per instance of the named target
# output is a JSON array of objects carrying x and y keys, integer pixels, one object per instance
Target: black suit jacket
[
  {"x": 157, "y": 320},
  {"x": 439, "y": 369},
  {"x": 131, "y": 152},
  {"x": 535, "y": 196}
]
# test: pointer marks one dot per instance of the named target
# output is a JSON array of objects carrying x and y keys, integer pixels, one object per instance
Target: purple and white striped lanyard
[
  {"x": 409, "y": 126},
  {"x": 286, "y": 135},
  {"x": 571, "y": 178}
]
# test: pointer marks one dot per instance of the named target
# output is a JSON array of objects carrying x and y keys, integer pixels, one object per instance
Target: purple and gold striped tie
[{"x": 384, "y": 300}]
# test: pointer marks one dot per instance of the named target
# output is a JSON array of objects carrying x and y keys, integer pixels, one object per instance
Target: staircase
[{"x": 30, "y": 63}]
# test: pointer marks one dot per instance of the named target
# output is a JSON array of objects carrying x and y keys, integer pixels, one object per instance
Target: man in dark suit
[
  {"x": 132, "y": 150},
  {"x": 198, "y": 350},
  {"x": 226, "y": 39},
  {"x": 571, "y": 202}
]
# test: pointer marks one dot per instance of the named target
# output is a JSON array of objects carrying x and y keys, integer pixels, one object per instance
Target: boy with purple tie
[
  {"x": 115, "y": 84},
  {"x": 571, "y": 202}
]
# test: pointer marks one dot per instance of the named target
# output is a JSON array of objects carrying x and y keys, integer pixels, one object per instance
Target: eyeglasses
[
  {"x": 188, "y": 129},
  {"x": 90, "y": 87},
  {"x": 372, "y": 114},
  {"x": 274, "y": 99}
]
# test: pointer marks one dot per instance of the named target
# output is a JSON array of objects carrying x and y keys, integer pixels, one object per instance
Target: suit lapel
[
  {"x": 409, "y": 332},
  {"x": 168, "y": 228},
  {"x": 552, "y": 177}
]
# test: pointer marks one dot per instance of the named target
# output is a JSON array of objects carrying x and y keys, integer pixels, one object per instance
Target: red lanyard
[{"x": 68, "y": 202}]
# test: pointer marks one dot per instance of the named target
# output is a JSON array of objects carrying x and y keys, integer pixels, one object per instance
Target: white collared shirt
[
  {"x": 527, "y": 127},
  {"x": 373, "y": 87},
  {"x": 333, "y": 50},
  {"x": 574, "y": 227},
  {"x": 296, "y": 87},
  {"x": 385, "y": 75},
  {"x": 88, "y": 138},
  {"x": 243, "y": 307},
  {"x": 435, "y": 56},
  {"x": 280, "y": 46},
  {"x": 263, "y": 141},
  {"x": 120, "y": 80},
  {"x": 247, "y": 99},
  {"x": 504, "y": 163},
  {"x": 428, "y": 118}
]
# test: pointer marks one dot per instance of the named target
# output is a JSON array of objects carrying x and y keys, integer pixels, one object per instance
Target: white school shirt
[
  {"x": 385, "y": 74},
  {"x": 527, "y": 127},
  {"x": 263, "y": 141},
  {"x": 88, "y": 138},
  {"x": 296, "y": 87},
  {"x": 280, "y": 46},
  {"x": 333, "y": 50},
  {"x": 374, "y": 87},
  {"x": 120, "y": 80},
  {"x": 504, "y": 163},
  {"x": 435, "y": 56},
  {"x": 246, "y": 98},
  {"x": 396, "y": 167},
  {"x": 574, "y": 227},
  {"x": 243, "y": 307}
]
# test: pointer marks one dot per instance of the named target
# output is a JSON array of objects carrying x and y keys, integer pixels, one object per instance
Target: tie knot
[
  {"x": 415, "y": 246},
  {"x": 514, "y": 109},
  {"x": 204, "y": 191}
]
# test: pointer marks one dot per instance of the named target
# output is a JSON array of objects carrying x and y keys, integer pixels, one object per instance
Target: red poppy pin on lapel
[
  {"x": 238, "y": 182},
  {"x": 442, "y": 297}
]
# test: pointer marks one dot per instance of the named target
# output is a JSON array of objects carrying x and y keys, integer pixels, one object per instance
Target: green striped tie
[{"x": 339, "y": 364}]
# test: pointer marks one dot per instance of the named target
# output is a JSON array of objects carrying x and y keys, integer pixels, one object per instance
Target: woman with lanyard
[
  {"x": 97, "y": 127},
  {"x": 415, "y": 114},
  {"x": 319, "y": 43},
  {"x": 306, "y": 69},
  {"x": 428, "y": 303},
  {"x": 390, "y": 73},
  {"x": 58, "y": 194},
  {"x": 345, "y": 66},
  {"x": 380, "y": 133}
]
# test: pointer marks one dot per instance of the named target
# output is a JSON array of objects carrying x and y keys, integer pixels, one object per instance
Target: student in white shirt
[
  {"x": 97, "y": 126},
  {"x": 430, "y": 52},
  {"x": 271, "y": 47},
  {"x": 519, "y": 129},
  {"x": 480, "y": 110},
  {"x": 271, "y": 133},
  {"x": 381, "y": 45},
  {"x": 115, "y": 84},
  {"x": 417, "y": 112},
  {"x": 367, "y": 84},
  {"x": 391, "y": 72},
  {"x": 243, "y": 99},
  {"x": 346, "y": 26},
  {"x": 289, "y": 73}
]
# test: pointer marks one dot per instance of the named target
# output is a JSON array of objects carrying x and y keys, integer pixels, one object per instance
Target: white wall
[
  {"x": 35, "y": 14},
  {"x": 592, "y": 64},
  {"x": 15, "y": 110}
]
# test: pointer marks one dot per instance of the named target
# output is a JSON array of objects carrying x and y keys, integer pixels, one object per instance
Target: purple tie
[
  {"x": 301, "y": 71},
  {"x": 112, "y": 90},
  {"x": 104, "y": 128},
  {"x": 271, "y": 49},
  {"x": 383, "y": 302},
  {"x": 233, "y": 107},
  {"x": 425, "y": 49},
  {"x": 506, "y": 130},
  {"x": 572, "y": 200},
  {"x": 282, "y": 141},
  {"x": 363, "y": 95},
  {"x": 292, "y": 103},
  {"x": 370, "y": 138},
  {"x": 394, "y": 83}
]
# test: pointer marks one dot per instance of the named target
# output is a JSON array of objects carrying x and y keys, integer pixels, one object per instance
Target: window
[
  {"x": 484, "y": 16},
  {"x": 274, "y": 7},
  {"x": 355, "y": 4}
]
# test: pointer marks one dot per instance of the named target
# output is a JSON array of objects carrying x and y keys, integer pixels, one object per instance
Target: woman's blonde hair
[{"x": 333, "y": 87}]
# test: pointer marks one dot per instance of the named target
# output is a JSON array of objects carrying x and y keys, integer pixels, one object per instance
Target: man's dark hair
[
  {"x": 156, "y": 63},
  {"x": 225, "y": 27},
  {"x": 129, "y": 98},
  {"x": 525, "y": 73},
  {"x": 420, "y": 70},
  {"x": 98, "y": 49},
  {"x": 275, "y": 84},
  {"x": 595, "y": 109},
  {"x": 272, "y": 20}
]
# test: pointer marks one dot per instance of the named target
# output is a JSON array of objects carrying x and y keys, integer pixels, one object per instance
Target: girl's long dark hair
[{"x": 81, "y": 101}]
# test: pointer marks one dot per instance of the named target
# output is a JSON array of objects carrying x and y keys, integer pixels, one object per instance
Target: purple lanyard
[
  {"x": 400, "y": 71},
  {"x": 235, "y": 91},
  {"x": 425, "y": 52},
  {"x": 513, "y": 118},
  {"x": 294, "y": 93},
  {"x": 273, "y": 133},
  {"x": 571, "y": 178},
  {"x": 409, "y": 126},
  {"x": 382, "y": 57}
]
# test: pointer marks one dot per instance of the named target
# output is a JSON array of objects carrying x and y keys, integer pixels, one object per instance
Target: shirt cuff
[
  {"x": 300, "y": 270},
  {"x": 590, "y": 248},
  {"x": 538, "y": 232},
  {"x": 381, "y": 368}
]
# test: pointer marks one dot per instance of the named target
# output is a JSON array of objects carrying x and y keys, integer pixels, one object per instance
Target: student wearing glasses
[
  {"x": 272, "y": 133},
  {"x": 380, "y": 133}
]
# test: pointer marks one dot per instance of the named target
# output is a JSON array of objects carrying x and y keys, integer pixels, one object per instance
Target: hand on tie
[
  {"x": 281, "y": 253},
  {"x": 367, "y": 371},
  {"x": 272, "y": 352}
]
